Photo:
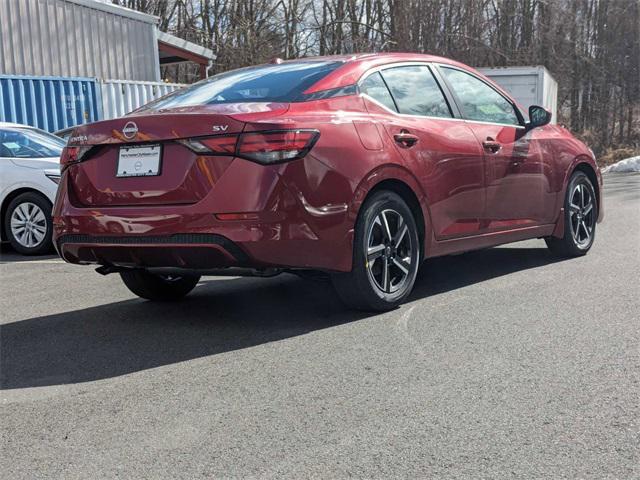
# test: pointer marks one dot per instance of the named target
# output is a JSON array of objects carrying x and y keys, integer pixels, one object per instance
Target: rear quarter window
[{"x": 375, "y": 87}]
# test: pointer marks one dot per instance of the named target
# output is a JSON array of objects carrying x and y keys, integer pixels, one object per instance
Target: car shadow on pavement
[
  {"x": 219, "y": 316},
  {"x": 444, "y": 274},
  {"x": 9, "y": 255}
]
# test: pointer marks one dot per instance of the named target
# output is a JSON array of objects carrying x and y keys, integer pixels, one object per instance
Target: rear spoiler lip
[{"x": 208, "y": 120}]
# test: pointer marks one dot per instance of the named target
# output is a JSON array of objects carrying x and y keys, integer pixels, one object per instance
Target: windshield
[
  {"x": 265, "y": 83},
  {"x": 29, "y": 143}
]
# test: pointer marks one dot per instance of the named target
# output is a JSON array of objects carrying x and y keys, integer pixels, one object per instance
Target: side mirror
[{"x": 538, "y": 117}]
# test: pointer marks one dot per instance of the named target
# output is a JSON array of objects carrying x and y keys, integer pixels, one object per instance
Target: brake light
[
  {"x": 218, "y": 145},
  {"x": 276, "y": 147},
  {"x": 73, "y": 154},
  {"x": 267, "y": 148}
]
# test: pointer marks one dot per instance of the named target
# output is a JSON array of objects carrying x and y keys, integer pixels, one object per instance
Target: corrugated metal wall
[
  {"x": 121, "y": 97},
  {"x": 67, "y": 38},
  {"x": 48, "y": 103}
]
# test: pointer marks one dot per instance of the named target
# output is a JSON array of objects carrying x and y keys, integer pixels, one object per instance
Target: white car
[{"x": 29, "y": 177}]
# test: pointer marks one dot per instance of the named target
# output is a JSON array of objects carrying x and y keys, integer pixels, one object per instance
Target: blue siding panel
[{"x": 49, "y": 103}]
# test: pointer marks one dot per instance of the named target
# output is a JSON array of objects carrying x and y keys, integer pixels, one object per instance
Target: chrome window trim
[
  {"x": 397, "y": 114},
  {"x": 519, "y": 127},
  {"x": 409, "y": 115}
]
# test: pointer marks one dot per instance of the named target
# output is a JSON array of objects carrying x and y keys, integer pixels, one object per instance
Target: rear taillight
[
  {"x": 73, "y": 154},
  {"x": 220, "y": 145},
  {"x": 276, "y": 147},
  {"x": 267, "y": 148}
]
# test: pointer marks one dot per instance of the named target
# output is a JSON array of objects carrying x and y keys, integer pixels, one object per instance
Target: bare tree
[{"x": 592, "y": 47}]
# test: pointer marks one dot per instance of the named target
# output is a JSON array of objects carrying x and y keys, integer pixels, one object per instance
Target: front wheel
[
  {"x": 159, "y": 287},
  {"x": 386, "y": 255},
  {"x": 580, "y": 216},
  {"x": 28, "y": 224}
]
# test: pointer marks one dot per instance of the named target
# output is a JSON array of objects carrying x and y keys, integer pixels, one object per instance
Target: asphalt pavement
[{"x": 506, "y": 363}]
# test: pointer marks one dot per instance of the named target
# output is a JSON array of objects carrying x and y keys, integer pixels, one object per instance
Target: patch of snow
[{"x": 623, "y": 166}]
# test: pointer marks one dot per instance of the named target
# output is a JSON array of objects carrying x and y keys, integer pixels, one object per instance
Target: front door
[{"x": 518, "y": 191}]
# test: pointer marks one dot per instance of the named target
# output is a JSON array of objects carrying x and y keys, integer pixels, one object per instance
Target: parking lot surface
[{"x": 506, "y": 363}]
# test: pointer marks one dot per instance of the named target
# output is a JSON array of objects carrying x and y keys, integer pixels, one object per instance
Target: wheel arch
[
  {"x": 8, "y": 199},
  {"x": 586, "y": 166},
  {"x": 590, "y": 172},
  {"x": 409, "y": 196}
]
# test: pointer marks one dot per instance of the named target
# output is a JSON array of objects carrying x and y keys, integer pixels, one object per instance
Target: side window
[
  {"x": 480, "y": 102},
  {"x": 4, "y": 150},
  {"x": 29, "y": 143},
  {"x": 416, "y": 92},
  {"x": 374, "y": 86}
]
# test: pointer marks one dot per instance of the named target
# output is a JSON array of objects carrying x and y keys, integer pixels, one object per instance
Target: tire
[
  {"x": 366, "y": 287},
  {"x": 580, "y": 216},
  {"x": 28, "y": 225},
  {"x": 158, "y": 288}
]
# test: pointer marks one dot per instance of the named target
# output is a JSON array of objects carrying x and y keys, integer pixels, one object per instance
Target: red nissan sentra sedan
[{"x": 358, "y": 166}]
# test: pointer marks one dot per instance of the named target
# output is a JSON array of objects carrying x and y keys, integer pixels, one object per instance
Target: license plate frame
[{"x": 136, "y": 161}]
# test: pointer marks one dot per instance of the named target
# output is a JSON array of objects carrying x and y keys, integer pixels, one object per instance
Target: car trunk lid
[{"x": 169, "y": 172}]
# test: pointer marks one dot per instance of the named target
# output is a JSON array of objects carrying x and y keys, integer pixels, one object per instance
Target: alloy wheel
[
  {"x": 389, "y": 251},
  {"x": 28, "y": 225},
  {"x": 581, "y": 215}
]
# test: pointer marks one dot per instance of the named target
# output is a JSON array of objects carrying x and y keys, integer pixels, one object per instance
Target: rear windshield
[{"x": 265, "y": 83}]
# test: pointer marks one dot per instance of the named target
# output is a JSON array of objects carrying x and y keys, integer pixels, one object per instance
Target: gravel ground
[{"x": 506, "y": 363}]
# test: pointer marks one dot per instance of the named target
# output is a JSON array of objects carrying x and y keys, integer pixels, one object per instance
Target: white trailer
[{"x": 528, "y": 85}]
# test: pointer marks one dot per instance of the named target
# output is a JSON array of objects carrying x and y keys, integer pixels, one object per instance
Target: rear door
[
  {"x": 518, "y": 189},
  {"x": 438, "y": 148}
]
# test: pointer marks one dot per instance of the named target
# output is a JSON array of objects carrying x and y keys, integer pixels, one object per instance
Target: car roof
[{"x": 356, "y": 65}]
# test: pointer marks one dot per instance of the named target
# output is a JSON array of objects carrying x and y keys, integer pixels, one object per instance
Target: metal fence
[
  {"x": 55, "y": 103},
  {"x": 120, "y": 97}
]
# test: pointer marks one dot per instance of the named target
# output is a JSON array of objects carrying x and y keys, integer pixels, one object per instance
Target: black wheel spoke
[
  {"x": 375, "y": 252},
  {"x": 403, "y": 264}
]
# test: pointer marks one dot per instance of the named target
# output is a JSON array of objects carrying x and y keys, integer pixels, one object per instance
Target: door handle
[
  {"x": 405, "y": 139},
  {"x": 491, "y": 145}
]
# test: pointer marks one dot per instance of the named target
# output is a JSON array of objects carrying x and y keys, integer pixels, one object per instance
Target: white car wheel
[{"x": 28, "y": 224}]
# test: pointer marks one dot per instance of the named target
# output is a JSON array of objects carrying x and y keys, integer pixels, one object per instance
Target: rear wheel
[
  {"x": 159, "y": 287},
  {"x": 386, "y": 255},
  {"x": 28, "y": 225},
  {"x": 580, "y": 215}
]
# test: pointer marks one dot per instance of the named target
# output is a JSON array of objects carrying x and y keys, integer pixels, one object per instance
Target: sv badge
[{"x": 220, "y": 128}]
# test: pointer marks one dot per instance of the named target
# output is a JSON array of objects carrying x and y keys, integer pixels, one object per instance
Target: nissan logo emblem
[{"x": 130, "y": 130}]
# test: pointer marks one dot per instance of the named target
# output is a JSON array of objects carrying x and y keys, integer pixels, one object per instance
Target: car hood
[{"x": 52, "y": 163}]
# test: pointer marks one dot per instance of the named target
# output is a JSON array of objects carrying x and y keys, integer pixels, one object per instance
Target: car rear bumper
[
  {"x": 191, "y": 237},
  {"x": 201, "y": 251}
]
